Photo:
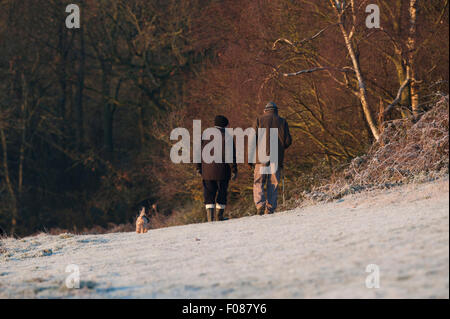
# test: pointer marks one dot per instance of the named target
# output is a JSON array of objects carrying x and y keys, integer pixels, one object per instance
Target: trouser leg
[
  {"x": 221, "y": 200},
  {"x": 273, "y": 180},
  {"x": 258, "y": 187},
  {"x": 209, "y": 194},
  {"x": 222, "y": 187}
]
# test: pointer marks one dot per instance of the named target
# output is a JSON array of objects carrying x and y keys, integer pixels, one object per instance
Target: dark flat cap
[{"x": 270, "y": 106}]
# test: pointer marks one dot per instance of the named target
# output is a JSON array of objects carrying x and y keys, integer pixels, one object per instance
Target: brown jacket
[
  {"x": 271, "y": 119},
  {"x": 218, "y": 171}
]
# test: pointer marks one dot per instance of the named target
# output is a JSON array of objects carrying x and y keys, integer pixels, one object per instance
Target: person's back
[
  {"x": 270, "y": 119},
  {"x": 216, "y": 175},
  {"x": 217, "y": 170}
]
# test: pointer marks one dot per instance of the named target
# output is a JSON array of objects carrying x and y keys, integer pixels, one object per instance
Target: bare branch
[
  {"x": 352, "y": 31},
  {"x": 281, "y": 40},
  {"x": 345, "y": 69},
  {"x": 398, "y": 97},
  {"x": 294, "y": 44}
]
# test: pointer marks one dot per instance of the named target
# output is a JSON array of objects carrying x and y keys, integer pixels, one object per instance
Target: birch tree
[{"x": 410, "y": 69}]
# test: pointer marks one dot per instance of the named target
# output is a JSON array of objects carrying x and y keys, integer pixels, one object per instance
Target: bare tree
[
  {"x": 346, "y": 14},
  {"x": 340, "y": 9},
  {"x": 411, "y": 74}
]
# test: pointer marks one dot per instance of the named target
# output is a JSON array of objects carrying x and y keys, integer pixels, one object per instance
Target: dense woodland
[{"x": 86, "y": 114}]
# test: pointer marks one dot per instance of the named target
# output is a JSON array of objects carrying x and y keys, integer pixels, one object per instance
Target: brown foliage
[{"x": 86, "y": 114}]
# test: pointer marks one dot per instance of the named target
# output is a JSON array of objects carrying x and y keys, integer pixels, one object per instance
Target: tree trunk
[
  {"x": 107, "y": 111},
  {"x": 401, "y": 69},
  {"x": 12, "y": 194},
  {"x": 23, "y": 127},
  {"x": 79, "y": 114},
  {"x": 362, "y": 94},
  {"x": 141, "y": 125},
  {"x": 411, "y": 51},
  {"x": 62, "y": 71},
  {"x": 108, "y": 130}
]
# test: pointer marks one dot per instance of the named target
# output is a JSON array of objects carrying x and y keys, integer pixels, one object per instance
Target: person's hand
[{"x": 233, "y": 176}]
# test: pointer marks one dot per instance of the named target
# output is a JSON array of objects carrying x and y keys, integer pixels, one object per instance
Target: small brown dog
[{"x": 142, "y": 222}]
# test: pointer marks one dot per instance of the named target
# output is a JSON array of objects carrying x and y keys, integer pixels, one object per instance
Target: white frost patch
[{"x": 319, "y": 251}]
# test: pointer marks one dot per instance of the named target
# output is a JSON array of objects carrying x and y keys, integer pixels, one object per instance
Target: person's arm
[
  {"x": 287, "y": 135},
  {"x": 252, "y": 151},
  {"x": 198, "y": 166}
]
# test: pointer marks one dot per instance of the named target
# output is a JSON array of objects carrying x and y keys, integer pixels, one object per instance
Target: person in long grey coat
[{"x": 270, "y": 119}]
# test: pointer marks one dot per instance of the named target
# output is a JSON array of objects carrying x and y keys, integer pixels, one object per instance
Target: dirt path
[{"x": 320, "y": 251}]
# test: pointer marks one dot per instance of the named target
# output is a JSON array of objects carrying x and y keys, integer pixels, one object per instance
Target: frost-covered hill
[{"x": 317, "y": 251}]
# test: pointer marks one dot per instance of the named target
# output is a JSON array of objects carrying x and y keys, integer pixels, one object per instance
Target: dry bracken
[{"x": 408, "y": 151}]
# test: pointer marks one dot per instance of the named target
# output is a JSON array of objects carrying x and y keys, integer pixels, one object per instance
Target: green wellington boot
[{"x": 210, "y": 214}]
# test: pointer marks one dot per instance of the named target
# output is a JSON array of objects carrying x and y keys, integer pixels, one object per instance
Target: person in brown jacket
[
  {"x": 216, "y": 177},
  {"x": 270, "y": 119}
]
